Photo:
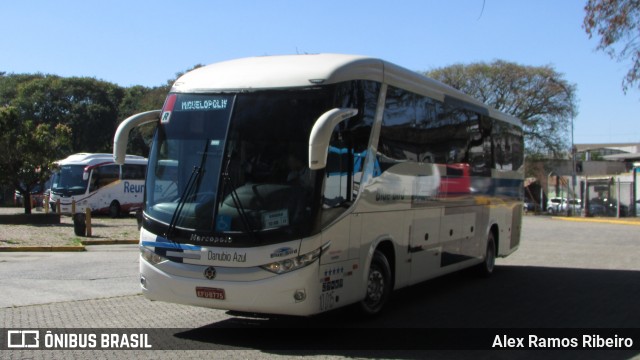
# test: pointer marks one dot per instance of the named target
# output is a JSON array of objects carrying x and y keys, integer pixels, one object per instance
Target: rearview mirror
[
  {"x": 321, "y": 135},
  {"x": 121, "y": 137}
]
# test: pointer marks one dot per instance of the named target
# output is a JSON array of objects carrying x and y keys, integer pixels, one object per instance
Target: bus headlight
[
  {"x": 150, "y": 256},
  {"x": 284, "y": 266}
]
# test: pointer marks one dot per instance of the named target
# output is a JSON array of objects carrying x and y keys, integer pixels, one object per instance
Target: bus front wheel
[
  {"x": 114, "y": 209},
  {"x": 379, "y": 285}
]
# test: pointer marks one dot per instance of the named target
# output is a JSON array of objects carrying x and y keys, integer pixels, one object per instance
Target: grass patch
[{"x": 76, "y": 241}]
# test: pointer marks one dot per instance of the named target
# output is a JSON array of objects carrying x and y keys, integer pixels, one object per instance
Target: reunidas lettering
[{"x": 133, "y": 188}]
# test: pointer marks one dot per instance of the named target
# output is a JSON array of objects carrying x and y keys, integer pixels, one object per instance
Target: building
[
  {"x": 614, "y": 152},
  {"x": 603, "y": 177}
]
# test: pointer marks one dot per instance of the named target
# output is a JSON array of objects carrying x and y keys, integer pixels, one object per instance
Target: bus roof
[
  {"x": 291, "y": 71},
  {"x": 90, "y": 159}
]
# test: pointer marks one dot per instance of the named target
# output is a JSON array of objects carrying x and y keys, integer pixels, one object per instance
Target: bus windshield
[
  {"x": 228, "y": 168},
  {"x": 68, "y": 180}
]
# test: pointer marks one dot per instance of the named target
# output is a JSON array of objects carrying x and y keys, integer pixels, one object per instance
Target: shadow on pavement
[{"x": 455, "y": 312}]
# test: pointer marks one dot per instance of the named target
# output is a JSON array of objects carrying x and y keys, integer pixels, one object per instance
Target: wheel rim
[{"x": 375, "y": 287}]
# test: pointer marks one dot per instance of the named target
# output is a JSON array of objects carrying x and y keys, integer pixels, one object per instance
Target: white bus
[
  {"x": 300, "y": 184},
  {"x": 94, "y": 181}
]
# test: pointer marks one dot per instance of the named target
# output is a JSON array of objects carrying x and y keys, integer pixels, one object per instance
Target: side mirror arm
[
  {"x": 321, "y": 135},
  {"x": 121, "y": 137}
]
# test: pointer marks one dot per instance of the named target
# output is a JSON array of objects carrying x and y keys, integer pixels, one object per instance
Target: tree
[
  {"x": 28, "y": 152},
  {"x": 539, "y": 96},
  {"x": 86, "y": 105},
  {"x": 617, "y": 23},
  {"x": 9, "y": 84},
  {"x": 139, "y": 98}
]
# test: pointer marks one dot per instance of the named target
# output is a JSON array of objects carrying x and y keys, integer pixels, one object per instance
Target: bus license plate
[{"x": 210, "y": 293}]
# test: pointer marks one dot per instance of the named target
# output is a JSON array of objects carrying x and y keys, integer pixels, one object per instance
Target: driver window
[{"x": 338, "y": 175}]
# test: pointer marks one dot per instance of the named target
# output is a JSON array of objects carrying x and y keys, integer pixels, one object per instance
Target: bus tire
[
  {"x": 486, "y": 268},
  {"x": 379, "y": 285},
  {"x": 79, "y": 225},
  {"x": 114, "y": 209},
  {"x": 139, "y": 219}
]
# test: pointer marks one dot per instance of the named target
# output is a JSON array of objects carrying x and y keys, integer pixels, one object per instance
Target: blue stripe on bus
[{"x": 170, "y": 245}]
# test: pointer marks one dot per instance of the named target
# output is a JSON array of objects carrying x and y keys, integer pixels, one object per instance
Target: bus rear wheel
[
  {"x": 379, "y": 285},
  {"x": 485, "y": 269}
]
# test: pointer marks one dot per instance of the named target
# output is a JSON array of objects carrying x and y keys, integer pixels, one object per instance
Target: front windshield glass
[
  {"x": 68, "y": 180},
  {"x": 185, "y": 161},
  {"x": 241, "y": 171}
]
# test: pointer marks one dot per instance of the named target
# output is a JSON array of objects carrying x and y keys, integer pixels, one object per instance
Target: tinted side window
[
  {"x": 104, "y": 175},
  {"x": 451, "y": 135},
  {"x": 508, "y": 146},
  {"x": 362, "y": 95},
  {"x": 396, "y": 143},
  {"x": 133, "y": 172},
  {"x": 480, "y": 148},
  {"x": 428, "y": 111},
  {"x": 418, "y": 128}
]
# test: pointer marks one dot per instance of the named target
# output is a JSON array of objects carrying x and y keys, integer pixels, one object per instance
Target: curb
[
  {"x": 66, "y": 248},
  {"x": 109, "y": 242},
  {"x": 598, "y": 220},
  {"x": 42, "y": 248}
]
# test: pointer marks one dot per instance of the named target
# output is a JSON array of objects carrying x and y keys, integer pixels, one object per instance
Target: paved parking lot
[{"x": 565, "y": 275}]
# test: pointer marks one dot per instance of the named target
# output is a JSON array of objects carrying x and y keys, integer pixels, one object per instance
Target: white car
[
  {"x": 575, "y": 205},
  {"x": 557, "y": 205}
]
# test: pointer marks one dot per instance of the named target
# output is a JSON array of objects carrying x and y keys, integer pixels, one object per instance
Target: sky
[{"x": 144, "y": 42}]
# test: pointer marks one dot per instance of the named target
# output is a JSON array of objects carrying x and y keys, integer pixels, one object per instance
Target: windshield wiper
[
  {"x": 195, "y": 174},
  {"x": 194, "y": 179},
  {"x": 246, "y": 222}
]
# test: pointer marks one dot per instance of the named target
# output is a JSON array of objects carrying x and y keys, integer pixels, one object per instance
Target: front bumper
[{"x": 271, "y": 294}]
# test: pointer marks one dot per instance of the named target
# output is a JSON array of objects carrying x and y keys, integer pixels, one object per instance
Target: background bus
[
  {"x": 94, "y": 181},
  {"x": 299, "y": 184}
]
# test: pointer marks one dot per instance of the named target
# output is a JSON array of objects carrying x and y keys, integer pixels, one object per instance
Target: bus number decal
[
  {"x": 332, "y": 285},
  {"x": 327, "y": 301}
]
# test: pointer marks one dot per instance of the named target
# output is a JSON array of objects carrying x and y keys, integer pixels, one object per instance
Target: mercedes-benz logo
[{"x": 210, "y": 273}]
